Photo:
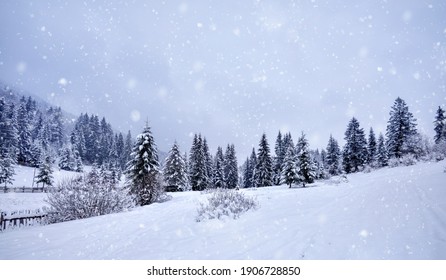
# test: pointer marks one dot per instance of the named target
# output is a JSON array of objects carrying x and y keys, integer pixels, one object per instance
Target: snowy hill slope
[{"x": 392, "y": 213}]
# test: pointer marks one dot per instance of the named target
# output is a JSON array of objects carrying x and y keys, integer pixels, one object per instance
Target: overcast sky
[{"x": 230, "y": 69}]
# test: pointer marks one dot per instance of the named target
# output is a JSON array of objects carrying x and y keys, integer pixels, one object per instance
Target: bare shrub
[
  {"x": 79, "y": 198},
  {"x": 225, "y": 202}
]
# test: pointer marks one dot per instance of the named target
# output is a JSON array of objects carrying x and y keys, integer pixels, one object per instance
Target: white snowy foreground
[{"x": 392, "y": 213}]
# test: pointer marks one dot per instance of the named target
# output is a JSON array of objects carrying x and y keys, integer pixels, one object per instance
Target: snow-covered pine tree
[
  {"x": 263, "y": 175},
  {"x": 440, "y": 126},
  {"x": 355, "y": 150},
  {"x": 250, "y": 172},
  {"x": 174, "y": 172},
  {"x": 290, "y": 172},
  {"x": 208, "y": 162},
  {"x": 143, "y": 169},
  {"x": 306, "y": 167},
  {"x": 381, "y": 153},
  {"x": 66, "y": 160},
  {"x": 6, "y": 171},
  {"x": 230, "y": 168},
  {"x": 218, "y": 179},
  {"x": 197, "y": 165},
  {"x": 278, "y": 159},
  {"x": 128, "y": 144},
  {"x": 333, "y": 156},
  {"x": 371, "y": 148},
  {"x": 400, "y": 127},
  {"x": 45, "y": 173},
  {"x": 24, "y": 133},
  {"x": 8, "y": 131}
]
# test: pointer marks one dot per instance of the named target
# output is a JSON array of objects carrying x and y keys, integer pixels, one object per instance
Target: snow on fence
[
  {"x": 22, "y": 218},
  {"x": 24, "y": 189}
]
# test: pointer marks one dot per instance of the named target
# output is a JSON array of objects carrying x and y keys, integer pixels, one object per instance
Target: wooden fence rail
[
  {"x": 22, "y": 218},
  {"x": 23, "y": 189}
]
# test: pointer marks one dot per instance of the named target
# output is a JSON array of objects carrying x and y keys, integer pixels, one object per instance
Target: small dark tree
[
  {"x": 264, "y": 168},
  {"x": 333, "y": 156},
  {"x": 45, "y": 174},
  {"x": 371, "y": 148},
  {"x": 355, "y": 149},
  {"x": 218, "y": 178},
  {"x": 381, "y": 153}
]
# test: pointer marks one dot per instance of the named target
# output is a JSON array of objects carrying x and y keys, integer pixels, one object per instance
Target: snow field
[{"x": 391, "y": 213}]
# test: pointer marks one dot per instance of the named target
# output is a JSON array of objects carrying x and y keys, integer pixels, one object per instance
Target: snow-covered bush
[
  {"x": 408, "y": 160},
  {"x": 225, "y": 202},
  {"x": 367, "y": 169},
  {"x": 79, "y": 198}
]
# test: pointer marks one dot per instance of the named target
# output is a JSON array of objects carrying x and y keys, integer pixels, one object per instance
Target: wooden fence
[
  {"x": 23, "y": 189},
  {"x": 22, "y": 218}
]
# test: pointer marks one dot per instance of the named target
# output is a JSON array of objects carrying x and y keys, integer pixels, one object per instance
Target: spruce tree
[
  {"x": 197, "y": 165},
  {"x": 218, "y": 179},
  {"x": 400, "y": 127},
  {"x": 371, "y": 148},
  {"x": 306, "y": 167},
  {"x": 355, "y": 150},
  {"x": 333, "y": 156},
  {"x": 290, "y": 171},
  {"x": 174, "y": 172},
  {"x": 143, "y": 169},
  {"x": 440, "y": 126},
  {"x": 230, "y": 168},
  {"x": 45, "y": 173},
  {"x": 24, "y": 133},
  {"x": 381, "y": 157},
  {"x": 6, "y": 170},
  {"x": 278, "y": 159},
  {"x": 263, "y": 175},
  {"x": 250, "y": 173}
]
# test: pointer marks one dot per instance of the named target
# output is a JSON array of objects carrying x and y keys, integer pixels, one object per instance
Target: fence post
[{"x": 1, "y": 220}]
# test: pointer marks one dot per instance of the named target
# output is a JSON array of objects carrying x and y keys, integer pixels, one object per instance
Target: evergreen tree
[
  {"x": 355, "y": 149},
  {"x": 197, "y": 165},
  {"x": 381, "y": 153},
  {"x": 6, "y": 170},
  {"x": 66, "y": 160},
  {"x": 278, "y": 159},
  {"x": 263, "y": 175},
  {"x": 143, "y": 169},
  {"x": 306, "y": 167},
  {"x": 208, "y": 163},
  {"x": 45, "y": 173},
  {"x": 246, "y": 169},
  {"x": 333, "y": 156},
  {"x": 128, "y": 144},
  {"x": 290, "y": 172},
  {"x": 120, "y": 148},
  {"x": 8, "y": 132},
  {"x": 230, "y": 168},
  {"x": 401, "y": 126},
  {"x": 249, "y": 174},
  {"x": 371, "y": 148},
  {"x": 24, "y": 133},
  {"x": 175, "y": 173},
  {"x": 440, "y": 126},
  {"x": 218, "y": 178}
]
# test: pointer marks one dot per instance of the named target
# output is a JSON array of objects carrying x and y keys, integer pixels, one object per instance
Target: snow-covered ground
[{"x": 392, "y": 213}]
